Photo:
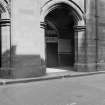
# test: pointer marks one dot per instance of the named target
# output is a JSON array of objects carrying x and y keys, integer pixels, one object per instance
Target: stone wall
[
  {"x": 29, "y": 38},
  {"x": 95, "y": 35},
  {"x": 91, "y": 36},
  {"x": 101, "y": 34}
]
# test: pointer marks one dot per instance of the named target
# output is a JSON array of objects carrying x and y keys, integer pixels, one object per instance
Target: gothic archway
[
  {"x": 77, "y": 25},
  {"x": 5, "y": 40}
]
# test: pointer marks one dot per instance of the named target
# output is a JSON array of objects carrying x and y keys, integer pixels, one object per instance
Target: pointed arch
[
  {"x": 53, "y": 4},
  {"x": 4, "y": 7},
  {"x": 78, "y": 18}
]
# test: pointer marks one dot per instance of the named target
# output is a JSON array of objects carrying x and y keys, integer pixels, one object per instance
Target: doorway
[
  {"x": 52, "y": 54},
  {"x": 59, "y": 37}
]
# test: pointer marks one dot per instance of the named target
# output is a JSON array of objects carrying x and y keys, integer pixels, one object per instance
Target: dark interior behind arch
[{"x": 59, "y": 41}]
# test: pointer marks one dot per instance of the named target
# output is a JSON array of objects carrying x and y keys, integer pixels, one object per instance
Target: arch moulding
[
  {"x": 52, "y": 4},
  {"x": 79, "y": 28}
]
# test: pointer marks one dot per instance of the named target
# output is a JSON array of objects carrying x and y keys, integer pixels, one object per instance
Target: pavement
[{"x": 51, "y": 73}]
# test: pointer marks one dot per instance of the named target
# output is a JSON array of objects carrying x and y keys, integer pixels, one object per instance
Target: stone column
[
  {"x": 43, "y": 54},
  {"x": 80, "y": 55},
  {"x": 91, "y": 36},
  {"x": 100, "y": 35}
]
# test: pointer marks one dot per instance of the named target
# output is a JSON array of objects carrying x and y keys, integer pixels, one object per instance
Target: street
[{"x": 86, "y": 90}]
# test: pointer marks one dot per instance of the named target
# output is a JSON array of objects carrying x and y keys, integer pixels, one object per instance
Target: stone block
[
  {"x": 81, "y": 67},
  {"x": 101, "y": 66},
  {"x": 28, "y": 66},
  {"x": 91, "y": 67}
]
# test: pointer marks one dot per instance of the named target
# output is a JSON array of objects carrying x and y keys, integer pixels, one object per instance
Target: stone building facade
[{"x": 36, "y": 34}]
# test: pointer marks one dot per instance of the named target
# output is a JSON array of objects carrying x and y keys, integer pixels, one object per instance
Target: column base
[{"x": 85, "y": 67}]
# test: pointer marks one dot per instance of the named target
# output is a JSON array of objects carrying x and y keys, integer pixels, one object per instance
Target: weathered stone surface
[{"x": 90, "y": 46}]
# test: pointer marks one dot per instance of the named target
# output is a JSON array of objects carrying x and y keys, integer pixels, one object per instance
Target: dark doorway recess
[
  {"x": 59, "y": 37},
  {"x": 52, "y": 55}
]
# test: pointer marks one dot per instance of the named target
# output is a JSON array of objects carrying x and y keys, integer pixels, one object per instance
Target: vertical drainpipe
[
  {"x": 85, "y": 35},
  {"x": 96, "y": 30},
  {"x": 10, "y": 35}
]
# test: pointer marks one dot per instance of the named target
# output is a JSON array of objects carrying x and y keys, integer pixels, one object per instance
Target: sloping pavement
[
  {"x": 51, "y": 73},
  {"x": 82, "y": 90}
]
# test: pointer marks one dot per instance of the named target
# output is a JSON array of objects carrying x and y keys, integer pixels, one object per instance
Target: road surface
[{"x": 86, "y": 90}]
